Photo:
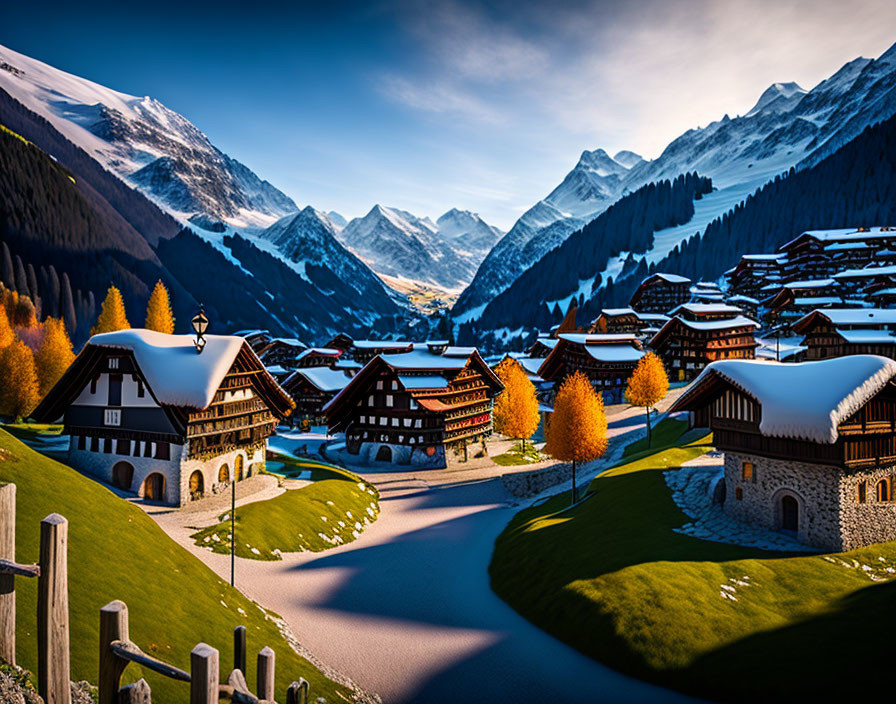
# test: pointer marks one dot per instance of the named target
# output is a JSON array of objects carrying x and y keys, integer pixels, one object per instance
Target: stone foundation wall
[
  {"x": 403, "y": 455},
  {"x": 526, "y": 484},
  {"x": 816, "y": 489},
  {"x": 253, "y": 462},
  {"x": 872, "y": 521}
]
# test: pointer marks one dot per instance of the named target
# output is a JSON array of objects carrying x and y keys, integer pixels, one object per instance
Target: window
[
  {"x": 395, "y": 422},
  {"x": 418, "y": 423},
  {"x": 379, "y": 385},
  {"x": 112, "y": 416},
  {"x": 407, "y": 422},
  {"x": 113, "y": 362},
  {"x": 883, "y": 490},
  {"x": 394, "y": 385},
  {"x": 390, "y": 400},
  {"x": 362, "y": 419},
  {"x": 384, "y": 420},
  {"x": 163, "y": 451},
  {"x": 414, "y": 405},
  {"x": 739, "y": 494},
  {"x": 861, "y": 492},
  {"x": 370, "y": 400},
  {"x": 747, "y": 473}
]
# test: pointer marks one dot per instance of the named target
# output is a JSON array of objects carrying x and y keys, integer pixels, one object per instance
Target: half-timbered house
[
  {"x": 431, "y": 407},
  {"x": 810, "y": 448},
  {"x": 607, "y": 360},
  {"x": 150, "y": 416}
]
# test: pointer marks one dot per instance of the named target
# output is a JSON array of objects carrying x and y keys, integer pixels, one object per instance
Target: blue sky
[{"x": 432, "y": 105}]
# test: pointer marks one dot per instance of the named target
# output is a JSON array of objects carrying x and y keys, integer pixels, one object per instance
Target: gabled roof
[
  {"x": 709, "y": 308},
  {"x": 324, "y": 379},
  {"x": 864, "y": 317},
  {"x": 803, "y": 401},
  {"x": 728, "y": 323},
  {"x": 867, "y": 272},
  {"x": 176, "y": 376}
]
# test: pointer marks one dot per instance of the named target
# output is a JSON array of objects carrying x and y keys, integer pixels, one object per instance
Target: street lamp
[{"x": 200, "y": 325}]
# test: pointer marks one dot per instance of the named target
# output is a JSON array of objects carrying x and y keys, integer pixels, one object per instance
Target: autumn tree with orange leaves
[
  {"x": 577, "y": 430},
  {"x": 648, "y": 385},
  {"x": 54, "y": 355},
  {"x": 158, "y": 311},
  {"x": 19, "y": 389},
  {"x": 516, "y": 409},
  {"x": 112, "y": 316}
]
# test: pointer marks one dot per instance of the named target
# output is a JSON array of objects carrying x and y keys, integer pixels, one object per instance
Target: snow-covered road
[{"x": 406, "y": 611}]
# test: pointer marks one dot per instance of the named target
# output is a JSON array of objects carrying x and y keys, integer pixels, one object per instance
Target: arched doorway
[
  {"x": 123, "y": 475},
  {"x": 790, "y": 513},
  {"x": 384, "y": 454},
  {"x": 197, "y": 485},
  {"x": 238, "y": 468},
  {"x": 224, "y": 474},
  {"x": 154, "y": 487}
]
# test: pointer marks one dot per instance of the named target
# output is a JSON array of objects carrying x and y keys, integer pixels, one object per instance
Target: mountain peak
[
  {"x": 627, "y": 158},
  {"x": 778, "y": 96}
]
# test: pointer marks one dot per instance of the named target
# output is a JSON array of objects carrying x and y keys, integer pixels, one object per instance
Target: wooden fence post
[
  {"x": 204, "y": 675},
  {"x": 297, "y": 692},
  {"x": 239, "y": 649},
  {"x": 265, "y": 674},
  {"x": 7, "y": 581},
  {"x": 53, "y": 663},
  {"x": 137, "y": 693},
  {"x": 113, "y": 626}
]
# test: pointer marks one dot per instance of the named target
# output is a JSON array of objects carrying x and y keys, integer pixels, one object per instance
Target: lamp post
[{"x": 200, "y": 325}]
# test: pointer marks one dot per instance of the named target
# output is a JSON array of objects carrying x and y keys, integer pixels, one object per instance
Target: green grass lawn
[
  {"x": 518, "y": 456},
  {"x": 611, "y": 577},
  {"x": 333, "y": 510},
  {"x": 117, "y": 552}
]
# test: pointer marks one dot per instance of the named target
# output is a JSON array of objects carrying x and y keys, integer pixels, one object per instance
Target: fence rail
[{"x": 117, "y": 650}]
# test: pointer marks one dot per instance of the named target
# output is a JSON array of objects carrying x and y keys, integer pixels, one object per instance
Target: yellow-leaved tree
[
  {"x": 648, "y": 385},
  {"x": 158, "y": 311},
  {"x": 19, "y": 389},
  {"x": 577, "y": 429},
  {"x": 54, "y": 355},
  {"x": 516, "y": 408},
  {"x": 6, "y": 333},
  {"x": 112, "y": 315}
]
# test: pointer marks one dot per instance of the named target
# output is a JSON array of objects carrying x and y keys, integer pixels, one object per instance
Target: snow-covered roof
[
  {"x": 597, "y": 338},
  {"x": 291, "y": 341},
  {"x": 323, "y": 378},
  {"x": 175, "y": 373},
  {"x": 860, "y": 316},
  {"x": 764, "y": 257},
  {"x": 614, "y": 353},
  {"x": 807, "y": 400},
  {"x": 422, "y": 359},
  {"x": 549, "y": 342},
  {"x": 530, "y": 364},
  {"x": 868, "y": 337},
  {"x": 327, "y": 351},
  {"x": 744, "y": 299},
  {"x": 706, "y": 308},
  {"x": 810, "y": 283},
  {"x": 737, "y": 322},
  {"x": 869, "y": 271},
  {"x": 381, "y": 344},
  {"x": 811, "y": 301},
  {"x": 671, "y": 278},
  {"x": 618, "y": 311}
]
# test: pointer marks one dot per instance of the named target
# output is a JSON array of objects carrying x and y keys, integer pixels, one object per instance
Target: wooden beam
[
  {"x": 239, "y": 649},
  {"x": 297, "y": 692},
  {"x": 204, "y": 674},
  {"x": 7, "y": 579},
  {"x": 265, "y": 674},
  {"x": 53, "y": 656},
  {"x": 131, "y": 652},
  {"x": 113, "y": 627},
  {"x": 15, "y": 569}
]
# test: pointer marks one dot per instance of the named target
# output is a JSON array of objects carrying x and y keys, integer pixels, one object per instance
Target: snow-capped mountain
[
  {"x": 594, "y": 183},
  {"x": 309, "y": 238},
  {"x": 150, "y": 146},
  {"x": 786, "y": 127},
  {"x": 338, "y": 221},
  {"x": 396, "y": 243}
]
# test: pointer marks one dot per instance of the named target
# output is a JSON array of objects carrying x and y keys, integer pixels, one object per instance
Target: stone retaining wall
[{"x": 526, "y": 484}]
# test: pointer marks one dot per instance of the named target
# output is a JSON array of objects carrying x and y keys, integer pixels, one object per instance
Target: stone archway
[
  {"x": 197, "y": 485},
  {"x": 788, "y": 507},
  {"x": 223, "y": 474},
  {"x": 384, "y": 454},
  {"x": 154, "y": 487},
  {"x": 238, "y": 468},
  {"x": 123, "y": 475}
]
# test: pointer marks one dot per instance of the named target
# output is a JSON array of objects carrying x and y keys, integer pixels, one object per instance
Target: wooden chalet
[
  {"x": 283, "y": 352},
  {"x": 627, "y": 321},
  {"x": 839, "y": 332},
  {"x": 749, "y": 306},
  {"x": 542, "y": 347},
  {"x": 754, "y": 272},
  {"x": 706, "y": 292},
  {"x": 317, "y": 357},
  {"x": 660, "y": 293},
  {"x": 365, "y": 350},
  {"x": 311, "y": 389},
  {"x": 789, "y": 302},
  {"x": 607, "y": 360},
  {"x": 149, "y": 415},
  {"x": 257, "y": 339},
  {"x": 431, "y": 407},
  {"x": 818, "y": 254},
  {"x": 341, "y": 341},
  {"x": 810, "y": 448},
  {"x": 702, "y": 333},
  {"x": 864, "y": 283}
]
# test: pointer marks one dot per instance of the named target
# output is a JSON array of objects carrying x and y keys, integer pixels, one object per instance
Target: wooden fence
[{"x": 117, "y": 650}]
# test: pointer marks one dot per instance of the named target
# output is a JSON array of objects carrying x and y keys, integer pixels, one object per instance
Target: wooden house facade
[
  {"x": 700, "y": 334},
  {"x": 148, "y": 415},
  {"x": 660, "y": 293},
  {"x": 311, "y": 389},
  {"x": 754, "y": 272},
  {"x": 810, "y": 448},
  {"x": 616, "y": 321},
  {"x": 839, "y": 332},
  {"x": 431, "y": 407},
  {"x": 607, "y": 360}
]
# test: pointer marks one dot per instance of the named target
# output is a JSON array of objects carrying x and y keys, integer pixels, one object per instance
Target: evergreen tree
[
  {"x": 158, "y": 312},
  {"x": 515, "y": 413},
  {"x": 6, "y": 272},
  {"x": 648, "y": 385},
  {"x": 54, "y": 355},
  {"x": 577, "y": 429},
  {"x": 19, "y": 389},
  {"x": 112, "y": 315},
  {"x": 67, "y": 303},
  {"x": 21, "y": 276},
  {"x": 32, "y": 283}
]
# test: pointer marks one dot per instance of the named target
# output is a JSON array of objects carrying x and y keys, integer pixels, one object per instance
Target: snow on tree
[
  {"x": 577, "y": 429},
  {"x": 54, "y": 355},
  {"x": 19, "y": 388},
  {"x": 516, "y": 409},
  {"x": 112, "y": 315},
  {"x": 158, "y": 311},
  {"x": 648, "y": 385}
]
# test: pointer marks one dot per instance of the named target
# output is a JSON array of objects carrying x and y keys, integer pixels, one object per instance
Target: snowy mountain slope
[
  {"x": 396, "y": 243},
  {"x": 786, "y": 127},
  {"x": 148, "y": 145}
]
